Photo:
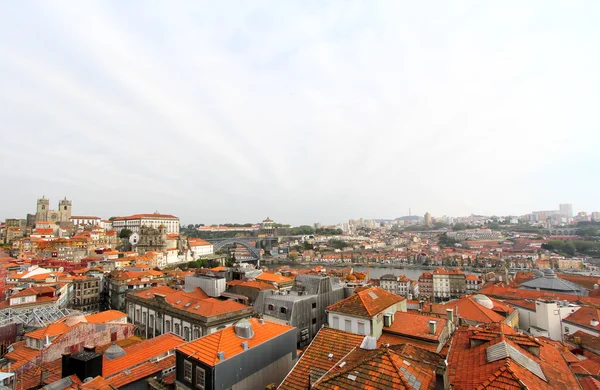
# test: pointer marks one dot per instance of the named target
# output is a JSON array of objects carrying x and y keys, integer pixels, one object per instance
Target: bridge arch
[{"x": 255, "y": 252}]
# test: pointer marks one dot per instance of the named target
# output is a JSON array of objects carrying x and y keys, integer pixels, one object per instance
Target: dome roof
[
  {"x": 114, "y": 351},
  {"x": 538, "y": 273},
  {"x": 484, "y": 301},
  {"x": 548, "y": 273}
]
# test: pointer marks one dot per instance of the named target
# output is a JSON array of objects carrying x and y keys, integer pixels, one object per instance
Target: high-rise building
[
  {"x": 427, "y": 219},
  {"x": 566, "y": 209}
]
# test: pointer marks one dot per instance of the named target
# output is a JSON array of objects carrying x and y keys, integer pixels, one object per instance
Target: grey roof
[
  {"x": 60, "y": 384},
  {"x": 550, "y": 282},
  {"x": 503, "y": 350},
  {"x": 114, "y": 351}
]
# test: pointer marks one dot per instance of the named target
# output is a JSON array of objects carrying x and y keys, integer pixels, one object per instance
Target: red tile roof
[
  {"x": 140, "y": 353},
  {"x": 470, "y": 368},
  {"x": 316, "y": 357},
  {"x": 589, "y": 383},
  {"x": 141, "y": 371},
  {"x": 105, "y": 316},
  {"x": 366, "y": 303},
  {"x": 584, "y": 316},
  {"x": 51, "y": 330},
  {"x": 205, "y": 348},
  {"x": 416, "y": 325}
]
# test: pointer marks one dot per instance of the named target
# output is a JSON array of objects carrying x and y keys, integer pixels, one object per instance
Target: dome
[
  {"x": 114, "y": 351},
  {"x": 548, "y": 273},
  {"x": 538, "y": 273},
  {"x": 484, "y": 301}
]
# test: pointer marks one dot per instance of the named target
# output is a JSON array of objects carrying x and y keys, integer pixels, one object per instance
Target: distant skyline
[{"x": 302, "y": 111}]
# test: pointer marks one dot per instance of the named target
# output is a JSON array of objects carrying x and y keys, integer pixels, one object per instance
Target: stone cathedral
[{"x": 44, "y": 214}]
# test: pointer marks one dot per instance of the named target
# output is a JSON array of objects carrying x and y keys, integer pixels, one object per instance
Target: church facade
[{"x": 45, "y": 214}]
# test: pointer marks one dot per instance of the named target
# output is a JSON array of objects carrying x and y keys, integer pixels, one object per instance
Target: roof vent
[
  {"x": 243, "y": 329},
  {"x": 113, "y": 352},
  {"x": 352, "y": 377},
  {"x": 433, "y": 327},
  {"x": 261, "y": 321},
  {"x": 245, "y": 345},
  {"x": 330, "y": 356},
  {"x": 342, "y": 364},
  {"x": 221, "y": 356},
  {"x": 594, "y": 322},
  {"x": 369, "y": 342}
]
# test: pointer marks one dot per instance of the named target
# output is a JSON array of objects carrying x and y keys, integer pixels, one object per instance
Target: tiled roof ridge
[
  {"x": 389, "y": 353},
  {"x": 360, "y": 296},
  {"x": 480, "y": 307},
  {"x": 348, "y": 367}
]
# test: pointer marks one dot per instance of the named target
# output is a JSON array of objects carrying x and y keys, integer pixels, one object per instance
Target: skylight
[
  {"x": 503, "y": 350},
  {"x": 187, "y": 304},
  {"x": 373, "y": 295},
  {"x": 196, "y": 307}
]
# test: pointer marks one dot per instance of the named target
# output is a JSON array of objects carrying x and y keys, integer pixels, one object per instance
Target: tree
[
  {"x": 112, "y": 218},
  {"x": 459, "y": 226},
  {"x": 303, "y": 230},
  {"x": 190, "y": 227},
  {"x": 338, "y": 244},
  {"x": 125, "y": 233}
]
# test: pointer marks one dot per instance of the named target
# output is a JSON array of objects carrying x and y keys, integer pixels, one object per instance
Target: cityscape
[
  {"x": 299, "y": 195},
  {"x": 142, "y": 300}
]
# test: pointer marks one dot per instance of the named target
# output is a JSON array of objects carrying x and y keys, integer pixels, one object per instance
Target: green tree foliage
[
  {"x": 570, "y": 247},
  {"x": 338, "y": 244},
  {"x": 459, "y": 226},
  {"x": 303, "y": 230},
  {"x": 444, "y": 240},
  {"x": 125, "y": 233},
  {"x": 329, "y": 232},
  {"x": 588, "y": 231}
]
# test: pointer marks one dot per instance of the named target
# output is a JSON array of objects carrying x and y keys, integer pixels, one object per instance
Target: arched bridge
[
  {"x": 563, "y": 231},
  {"x": 220, "y": 243}
]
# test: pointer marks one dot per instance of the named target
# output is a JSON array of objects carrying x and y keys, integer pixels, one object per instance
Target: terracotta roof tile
[
  {"x": 105, "y": 316},
  {"x": 205, "y": 348},
  {"x": 366, "y": 303}
]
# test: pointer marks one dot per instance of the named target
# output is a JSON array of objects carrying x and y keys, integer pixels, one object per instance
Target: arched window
[
  {"x": 177, "y": 329},
  {"x": 283, "y": 310},
  {"x": 144, "y": 318},
  {"x": 151, "y": 322},
  {"x": 186, "y": 333},
  {"x": 196, "y": 333},
  {"x": 167, "y": 326},
  {"x": 271, "y": 307}
]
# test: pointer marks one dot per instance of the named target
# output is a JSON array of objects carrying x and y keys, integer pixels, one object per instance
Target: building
[
  {"x": 200, "y": 248},
  {"x": 343, "y": 360},
  {"x": 363, "y": 312},
  {"x": 448, "y": 284},
  {"x": 480, "y": 309},
  {"x": 44, "y": 214},
  {"x": 191, "y": 315},
  {"x": 85, "y": 220},
  {"x": 212, "y": 285},
  {"x": 426, "y": 285},
  {"x": 583, "y": 319},
  {"x": 136, "y": 221},
  {"x": 252, "y": 354},
  {"x": 551, "y": 283},
  {"x": 427, "y": 219},
  {"x": 566, "y": 209},
  {"x": 544, "y": 317},
  {"x": 421, "y": 330},
  {"x": 303, "y": 306},
  {"x": 86, "y": 294},
  {"x": 473, "y": 283},
  {"x": 501, "y": 358}
]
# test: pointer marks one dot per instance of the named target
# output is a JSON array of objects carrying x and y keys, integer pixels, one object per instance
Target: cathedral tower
[
  {"x": 64, "y": 208},
  {"x": 41, "y": 214}
]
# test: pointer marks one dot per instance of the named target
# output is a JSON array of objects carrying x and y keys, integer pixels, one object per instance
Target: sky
[{"x": 303, "y": 111}]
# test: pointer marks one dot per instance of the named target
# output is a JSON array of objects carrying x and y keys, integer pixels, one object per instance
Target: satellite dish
[{"x": 134, "y": 239}]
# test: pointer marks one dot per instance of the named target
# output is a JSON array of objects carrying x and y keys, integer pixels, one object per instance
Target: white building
[
  {"x": 213, "y": 286},
  {"x": 363, "y": 312},
  {"x": 85, "y": 220},
  {"x": 200, "y": 248},
  {"x": 545, "y": 317},
  {"x": 134, "y": 222}
]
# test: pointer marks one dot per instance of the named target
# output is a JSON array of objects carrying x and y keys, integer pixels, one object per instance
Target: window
[
  {"x": 314, "y": 305},
  {"x": 271, "y": 307},
  {"x": 200, "y": 378},
  {"x": 314, "y": 321},
  {"x": 336, "y": 323},
  {"x": 167, "y": 326},
  {"x": 283, "y": 310},
  {"x": 361, "y": 328},
  {"x": 348, "y": 325},
  {"x": 177, "y": 329},
  {"x": 187, "y": 371}
]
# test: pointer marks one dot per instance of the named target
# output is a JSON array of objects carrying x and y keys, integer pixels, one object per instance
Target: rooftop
[{"x": 366, "y": 303}]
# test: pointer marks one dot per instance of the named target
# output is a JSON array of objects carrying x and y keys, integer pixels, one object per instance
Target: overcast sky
[{"x": 304, "y": 111}]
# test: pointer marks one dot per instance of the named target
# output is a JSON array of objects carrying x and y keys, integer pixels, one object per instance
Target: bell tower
[
  {"x": 64, "y": 208},
  {"x": 41, "y": 214}
]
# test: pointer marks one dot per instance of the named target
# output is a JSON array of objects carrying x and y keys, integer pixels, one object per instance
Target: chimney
[
  {"x": 432, "y": 327},
  {"x": 450, "y": 315},
  {"x": 66, "y": 369},
  {"x": 261, "y": 321},
  {"x": 245, "y": 345},
  {"x": 221, "y": 356}
]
